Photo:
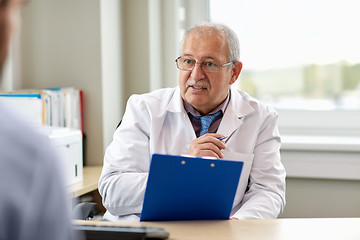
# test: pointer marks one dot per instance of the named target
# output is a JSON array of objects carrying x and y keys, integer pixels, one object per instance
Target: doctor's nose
[{"x": 197, "y": 73}]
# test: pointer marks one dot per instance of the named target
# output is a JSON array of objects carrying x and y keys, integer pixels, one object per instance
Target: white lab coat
[{"x": 156, "y": 122}]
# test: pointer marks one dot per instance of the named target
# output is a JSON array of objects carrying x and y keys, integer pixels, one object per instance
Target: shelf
[{"x": 89, "y": 183}]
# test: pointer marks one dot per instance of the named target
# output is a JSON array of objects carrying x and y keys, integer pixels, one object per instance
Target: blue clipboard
[{"x": 190, "y": 188}]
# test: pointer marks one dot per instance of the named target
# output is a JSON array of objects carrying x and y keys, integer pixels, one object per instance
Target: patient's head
[{"x": 9, "y": 20}]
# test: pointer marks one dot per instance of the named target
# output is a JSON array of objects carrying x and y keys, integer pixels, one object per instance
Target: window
[{"x": 302, "y": 57}]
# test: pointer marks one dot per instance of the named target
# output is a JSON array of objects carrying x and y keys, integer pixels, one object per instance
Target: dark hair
[{"x": 4, "y": 2}]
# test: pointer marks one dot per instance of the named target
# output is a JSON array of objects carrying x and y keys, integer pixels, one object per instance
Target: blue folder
[{"x": 190, "y": 188}]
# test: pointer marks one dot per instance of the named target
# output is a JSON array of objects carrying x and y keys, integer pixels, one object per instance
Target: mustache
[{"x": 199, "y": 84}]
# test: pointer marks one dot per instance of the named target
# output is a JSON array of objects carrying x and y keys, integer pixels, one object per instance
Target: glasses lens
[
  {"x": 188, "y": 64},
  {"x": 210, "y": 67},
  {"x": 185, "y": 64}
]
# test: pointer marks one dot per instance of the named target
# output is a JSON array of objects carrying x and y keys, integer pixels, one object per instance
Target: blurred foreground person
[{"x": 33, "y": 201}]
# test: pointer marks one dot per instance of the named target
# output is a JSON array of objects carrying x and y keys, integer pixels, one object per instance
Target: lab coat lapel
[
  {"x": 235, "y": 113},
  {"x": 176, "y": 106}
]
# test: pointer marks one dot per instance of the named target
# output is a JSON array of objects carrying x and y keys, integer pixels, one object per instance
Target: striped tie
[{"x": 206, "y": 121}]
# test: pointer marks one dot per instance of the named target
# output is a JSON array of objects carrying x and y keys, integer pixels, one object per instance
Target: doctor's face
[{"x": 203, "y": 90}]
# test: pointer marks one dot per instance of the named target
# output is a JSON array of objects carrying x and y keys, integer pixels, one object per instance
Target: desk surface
[
  {"x": 279, "y": 229},
  {"x": 89, "y": 183}
]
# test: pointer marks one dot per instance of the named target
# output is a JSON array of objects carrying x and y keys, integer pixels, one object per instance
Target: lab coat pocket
[{"x": 247, "y": 159}]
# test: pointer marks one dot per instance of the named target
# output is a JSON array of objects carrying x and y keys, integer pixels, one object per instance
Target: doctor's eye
[
  {"x": 209, "y": 64},
  {"x": 188, "y": 61}
]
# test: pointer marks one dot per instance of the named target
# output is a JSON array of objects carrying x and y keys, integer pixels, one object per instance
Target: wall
[
  {"x": 106, "y": 48},
  {"x": 323, "y": 175},
  {"x": 136, "y": 53},
  {"x": 61, "y": 47},
  {"x": 112, "y": 68},
  {"x": 150, "y": 45},
  {"x": 309, "y": 197}
]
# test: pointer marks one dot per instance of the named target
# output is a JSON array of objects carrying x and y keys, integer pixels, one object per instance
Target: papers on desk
[{"x": 56, "y": 107}]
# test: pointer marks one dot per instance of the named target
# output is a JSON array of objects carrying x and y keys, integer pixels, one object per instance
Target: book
[{"x": 55, "y": 107}]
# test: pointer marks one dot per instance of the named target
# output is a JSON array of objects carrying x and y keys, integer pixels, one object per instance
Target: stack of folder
[{"x": 55, "y": 107}]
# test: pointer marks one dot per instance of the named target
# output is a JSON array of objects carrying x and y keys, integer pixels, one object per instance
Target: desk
[
  {"x": 278, "y": 229},
  {"x": 89, "y": 183}
]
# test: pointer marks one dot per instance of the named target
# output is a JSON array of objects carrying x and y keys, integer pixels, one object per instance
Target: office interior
[{"x": 111, "y": 49}]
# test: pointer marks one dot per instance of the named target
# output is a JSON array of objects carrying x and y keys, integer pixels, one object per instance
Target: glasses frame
[{"x": 201, "y": 65}]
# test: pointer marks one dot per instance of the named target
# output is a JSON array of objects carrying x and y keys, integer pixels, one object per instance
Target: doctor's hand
[{"x": 207, "y": 145}]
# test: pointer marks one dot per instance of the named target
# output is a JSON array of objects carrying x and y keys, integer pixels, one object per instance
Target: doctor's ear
[{"x": 235, "y": 71}]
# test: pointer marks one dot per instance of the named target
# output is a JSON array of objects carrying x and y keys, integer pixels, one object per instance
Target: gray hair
[{"x": 230, "y": 36}]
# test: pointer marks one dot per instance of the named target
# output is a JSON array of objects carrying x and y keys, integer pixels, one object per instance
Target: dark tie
[{"x": 206, "y": 121}]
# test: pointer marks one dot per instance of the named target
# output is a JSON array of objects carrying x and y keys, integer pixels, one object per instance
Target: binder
[
  {"x": 55, "y": 107},
  {"x": 30, "y": 105},
  {"x": 190, "y": 188}
]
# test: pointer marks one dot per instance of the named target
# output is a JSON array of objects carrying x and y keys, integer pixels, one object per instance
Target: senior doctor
[{"x": 168, "y": 121}]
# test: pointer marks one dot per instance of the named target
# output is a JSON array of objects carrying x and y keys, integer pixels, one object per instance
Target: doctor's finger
[
  {"x": 213, "y": 140},
  {"x": 206, "y": 153},
  {"x": 205, "y": 149},
  {"x": 211, "y": 135},
  {"x": 209, "y": 153}
]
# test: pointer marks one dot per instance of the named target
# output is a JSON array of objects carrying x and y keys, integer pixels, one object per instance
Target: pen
[{"x": 222, "y": 138}]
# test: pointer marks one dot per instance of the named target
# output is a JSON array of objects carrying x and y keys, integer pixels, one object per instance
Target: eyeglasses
[{"x": 188, "y": 64}]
